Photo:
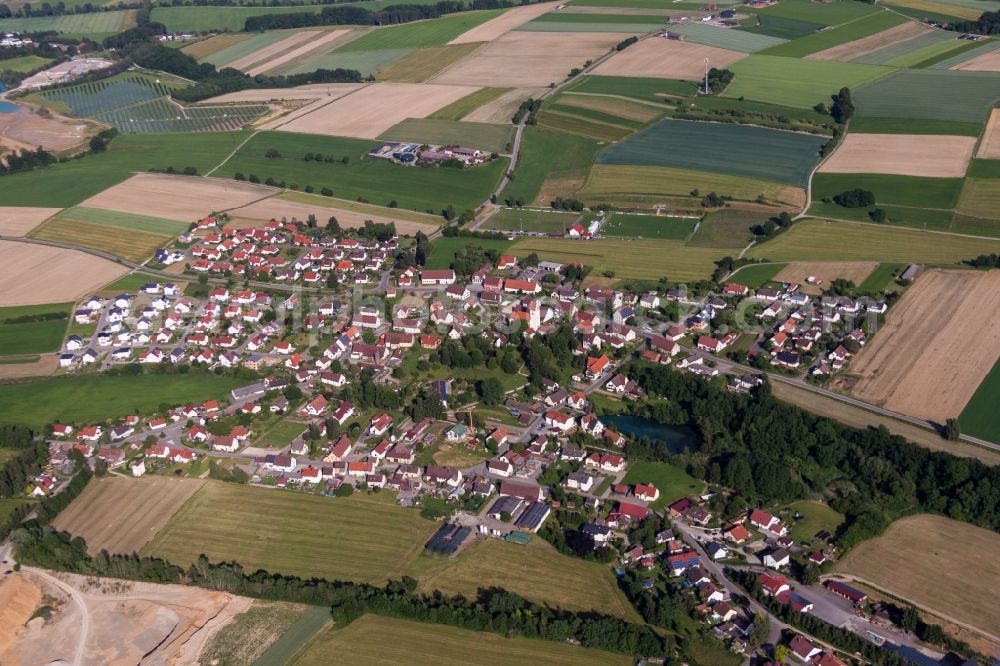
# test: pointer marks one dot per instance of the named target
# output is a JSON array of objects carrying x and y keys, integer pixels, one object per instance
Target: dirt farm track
[{"x": 937, "y": 345}]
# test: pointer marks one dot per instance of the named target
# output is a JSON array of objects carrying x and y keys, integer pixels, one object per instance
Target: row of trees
[
  {"x": 350, "y": 15},
  {"x": 769, "y": 450}
]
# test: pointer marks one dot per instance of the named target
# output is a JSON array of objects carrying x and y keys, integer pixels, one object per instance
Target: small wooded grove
[
  {"x": 769, "y": 450},
  {"x": 493, "y": 610}
]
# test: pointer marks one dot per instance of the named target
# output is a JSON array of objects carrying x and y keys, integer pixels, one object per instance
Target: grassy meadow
[{"x": 33, "y": 337}]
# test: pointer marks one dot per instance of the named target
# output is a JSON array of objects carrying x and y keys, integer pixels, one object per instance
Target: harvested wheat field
[
  {"x": 989, "y": 147},
  {"x": 865, "y": 45},
  {"x": 18, "y": 221},
  {"x": 34, "y": 274},
  {"x": 827, "y": 271},
  {"x": 275, "y": 208},
  {"x": 521, "y": 59},
  {"x": 120, "y": 514},
  {"x": 927, "y": 559},
  {"x": 501, "y": 25},
  {"x": 313, "y": 91},
  {"x": 502, "y": 109},
  {"x": 372, "y": 110},
  {"x": 181, "y": 198},
  {"x": 667, "y": 59},
  {"x": 938, "y": 343},
  {"x": 316, "y": 41},
  {"x": 902, "y": 154},
  {"x": 267, "y": 54},
  {"x": 44, "y": 366},
  {"x": 985, "y": 62}
]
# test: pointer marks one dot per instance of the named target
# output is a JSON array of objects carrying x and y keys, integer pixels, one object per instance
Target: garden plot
[
  {"x": 525, "y": 59},
  {"x": 929, "y": 93},
  {"x": 35, "y": 274},
  {"x": 752, "y": 152},
  {"x": 989, "y": 148},
  {"x": 177, "y": 197},
  {"x": 667, "y": 58},
  {"x": 501, "y": 25},
  {"x": 902, "y": 154},
  {"x": 858, "y": 48},
  {"x": 937, "y": 345},
  {"x": 372, "y": 110},
  {"x": 316, "y": 41},
  {"x": 726, "y": 38},
  {"x": 17, "y": 221}
]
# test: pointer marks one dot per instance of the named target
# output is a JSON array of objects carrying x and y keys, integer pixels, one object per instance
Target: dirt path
[{"x": 80, "y": 603}]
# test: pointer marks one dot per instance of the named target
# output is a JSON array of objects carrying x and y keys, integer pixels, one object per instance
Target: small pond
[
  {"x": 674, "y": 436},
  {"x": 8, "y": 107}
]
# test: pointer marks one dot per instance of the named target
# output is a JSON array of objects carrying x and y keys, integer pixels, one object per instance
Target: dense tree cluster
[
  {"x": 987, "y": 24},
  {"x": 856, "y": 198},
  {"x": 717, "y": 80},
  {"x": 842, "y": 108},
  {"x": 349, "y": 15},
  {"x": 767, "y": 449},
  {"x": 25, "y": 160},
  {"x": 985, "y": 261}
]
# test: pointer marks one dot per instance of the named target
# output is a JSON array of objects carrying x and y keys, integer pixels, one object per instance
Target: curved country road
[{"x": 78, "y": 599}]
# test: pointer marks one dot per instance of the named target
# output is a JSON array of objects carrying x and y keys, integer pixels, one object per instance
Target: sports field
[
  {"x": 491, "y": 138},
  {"x": 94, "y": 398},
  {"x": 377, "y": 181},
  {"x": 647, "y": 226},
  {"x": 531, "y": 220},
  {"x": 797, "y": 83},
  {"x": 536, "y": 571},
  {"x": 389, "y": 641},
  {"x": 739, "y": 150},
  {"x": 820, "y": 240},
  {"x": 367, "y": 539},
  {"x": 930, "y": 93},
  {"x": 120, "y": 514},
  {"x": 626, "y": 185},
  {"x": 917, "y": 559},
  {"x": 647, "y": 259},
  {"x": 19, "y": 337}
]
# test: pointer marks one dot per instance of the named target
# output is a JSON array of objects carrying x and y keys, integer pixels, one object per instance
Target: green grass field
[
  {"x": 463, "y": 107},
  {"x": 420, "y": 34},
  {"x": 424, "y": 63},
  {"x": 816, "y": 517},
  {"x": 910, "y": 52},
  {"x": 360, "y": 538},
  {"x": 364, "y": 209},
  {"x": 312, "y": 620},
  {"x": 869, "y": 125},
  {"x": 930, "y": 93},
  {"x": 524, "y": 219},
  {"x": 647, "y": 226},
  {"x": 628, "y": 185},
  {"x": 281, "y": 434},
  {"x": 366, "y": 62},
  {"x": 23, "y": 63},
  {"x": 827, "y": 13},
  {"x": 672, "y": 482},
  {"x": 727, "y": 227},
  {"x": 980, "y": 198},
  {"x": 848, "y": 32},
  {"x": 548, "y": 154},
  {"x": 980, "y": 418},
  {"x": 218, "y": 19},
  {"x": 33, "y": 337},
  {"x": 130, "y": 221},
  {"x": 894, "y": 190},
  {"x": 880, "y": 278},
  {"x": 94, "y": 398},
  {"x": 964, "y": 51},
  {"x": 7, "y": 506},
  {"x": 93, "y": 24},
  {"x": 443, "y": 249},
  {"x": 780, "y": 26},
  {"x": 726, "y": 38},
  {"x": 797, "y": 83},
  {"x": 67, "y": 184},
  {"x": 384, "y": 641},
  {"x": 984, "y": 169},
  {"x": 492, "y": 138},
  {"x": 377, "y": 180},
  {"x": 647, "y": 259},
  {"x": 739, "y": 150},
  {"x": 603, "y": 128},
  {"x": 245, "y": 47},
  {"x": 819, "y": 240},
  {"x": 650, "y": 89},
  {"x": 579, "y": 22},
  {"x": 756, "y": 276}
]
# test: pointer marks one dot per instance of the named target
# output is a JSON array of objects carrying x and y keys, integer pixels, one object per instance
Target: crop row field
[
  {"x": 796, "y": 82},
  {"x": 94, "y": 24},
  {"x": 725, "y": 38},
  {"x": 531, "y": 220},
  {"x": 739, "y": 150},
  {"x": 837, "y": 36},
  {"x": 930, "y": 93},
  {"x": 826, "y": 13},
  {"x": 78, "y": 227}
]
